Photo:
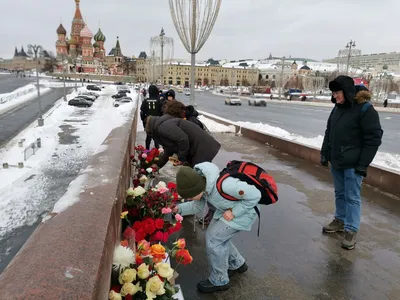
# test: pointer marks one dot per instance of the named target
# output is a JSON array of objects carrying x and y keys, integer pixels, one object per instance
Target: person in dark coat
[
  {"x": 191, "y": 144},
  {"x": 352, "y": 138},
  {"x": 179, "y": 110},
  {"x": 385, "y": 103},
  {"x": 192, "y": 116},
  {"x": 150, "y": 107}
]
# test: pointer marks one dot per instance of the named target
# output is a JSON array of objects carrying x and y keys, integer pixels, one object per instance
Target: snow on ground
[
  {"x": 71, "y": 135},
  {"x": 382, "y": 159},
  {"x": 25, "y": 96},
  {"x": 213, "y": 126}
]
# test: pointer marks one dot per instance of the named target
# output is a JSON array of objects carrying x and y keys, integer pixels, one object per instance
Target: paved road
[
  {"x": 292, "y": 259},
  {"x": 15, "y": 120},
  {"x": 308, "y": 121},
  {"x": 9, "y": 83}
]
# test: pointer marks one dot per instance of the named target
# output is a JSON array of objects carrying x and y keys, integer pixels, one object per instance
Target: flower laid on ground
[
  {"x": 143, "y": 248},
  {"x": 124, "y": 214},
  {"x": 148, "y": 280},
  {"x": 143, "y": 161},
  {"x": 123, "y": 257},
  {"x": 183, "y": 257},
  {"x": 166, "y": 210},
  {"x": 181, "y": 243},
  {"x": 178, "y": 217}
]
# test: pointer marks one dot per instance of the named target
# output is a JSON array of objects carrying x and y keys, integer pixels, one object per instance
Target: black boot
[
  {"x": 240, "y": 270},
  {"x": 206, "y": 286}
]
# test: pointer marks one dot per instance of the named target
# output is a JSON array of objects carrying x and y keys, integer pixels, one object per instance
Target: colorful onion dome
[
  {"x": 86, "y": 32},
  {"x": 99, "y": 36},
  {"x": 61, "y": 30}
]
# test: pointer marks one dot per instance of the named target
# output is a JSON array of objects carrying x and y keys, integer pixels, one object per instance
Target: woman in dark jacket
[{"x": 192, "y": 144}]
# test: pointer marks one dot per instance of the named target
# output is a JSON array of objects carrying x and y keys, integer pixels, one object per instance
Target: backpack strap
[{"x": 364, "y": 109}]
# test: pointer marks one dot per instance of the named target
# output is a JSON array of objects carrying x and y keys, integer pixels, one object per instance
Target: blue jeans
[
  {"x": 347, "y": 197},
  {"x": 221, "y": 253}
]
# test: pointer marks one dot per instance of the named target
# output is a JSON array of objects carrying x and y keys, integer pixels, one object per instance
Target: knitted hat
[{"x": 189, "y": 183}]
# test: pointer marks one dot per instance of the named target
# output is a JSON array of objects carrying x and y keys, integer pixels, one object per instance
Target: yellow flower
[
  {"x": 123, "y": 214},
  {"x": 127, "y": 276},
  {"x": 130, "y": 289},
  {"x": 130, "y": 192},
  {"x": 154, "y": 288},
  {"x": 114, "y": 296},
  {"x": 143, "y": 271},
  {"x": 143, "y": 179},
  {"x": 164, "y": 270}
]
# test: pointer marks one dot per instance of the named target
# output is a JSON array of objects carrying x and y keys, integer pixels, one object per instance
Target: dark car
[
  {"x": 93, "y": 87},
  {"x": 119, "y": 95},
  {"x": 124, "y": 91},
  {"x": 90, "y": 94},
  {"x": 80, "y": 102},
  {"x": 86, "y": 97}
]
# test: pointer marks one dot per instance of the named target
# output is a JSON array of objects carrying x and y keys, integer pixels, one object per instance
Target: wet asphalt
[
  {"x": 10, "y": 82},
  {"x": 292, "y": 258},
  {"x": 307, "y": 121},
  {"x": 16, "y": 119}
]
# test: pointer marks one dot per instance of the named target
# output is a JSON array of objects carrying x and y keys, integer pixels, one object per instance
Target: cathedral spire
[{"x": 78, "y": 14}]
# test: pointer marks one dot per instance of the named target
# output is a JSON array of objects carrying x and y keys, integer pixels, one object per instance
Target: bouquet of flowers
[
  {"x": 148, "y": 275},
  {"x": 155, "y": 203},
  {"x": 143, "y": 160}
]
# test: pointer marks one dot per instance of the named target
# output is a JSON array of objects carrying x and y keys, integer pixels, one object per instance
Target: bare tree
[
  {"x": 381, "y": 87},
  {"x": 313, "y": 84},
  {"x": 281, "y": 81}
]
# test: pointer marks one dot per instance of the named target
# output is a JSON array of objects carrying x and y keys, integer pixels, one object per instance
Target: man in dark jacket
[
  {"x": 151, "y": 107},
  {"x": 192, "y": 116},
  {"x": 352, "y": 138},
  {"x": 185, "y": 138}
]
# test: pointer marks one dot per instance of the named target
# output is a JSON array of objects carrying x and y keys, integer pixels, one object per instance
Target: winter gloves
[{"x": 324, "y": 161}]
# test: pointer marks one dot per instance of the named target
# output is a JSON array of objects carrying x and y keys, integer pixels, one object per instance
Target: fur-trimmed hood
[{"x": 363, "y": 96}]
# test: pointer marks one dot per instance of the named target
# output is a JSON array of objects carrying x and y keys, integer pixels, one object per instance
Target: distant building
[
  {"x": 22, "y": 61},
  {"x": 376, "y": 60}
]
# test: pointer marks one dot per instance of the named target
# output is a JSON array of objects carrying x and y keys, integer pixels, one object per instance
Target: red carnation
[
  {"x": 177, "y": 227},
  {"x": 171, "y": 185},
  {"x": 165, "y": 237},
  {"x": 158, "y": 236},
  {"x": 137, "y": 226},
  {"x": 159, "y": 223},
  {"x": 116, "y": 288},
  {"x": 133, "y": 212},
  {"x": 135, "y": 182},
  {"x": 140, "y": 235},
  {"x": 128, "y": 297},
  {"x": 148, "y": 226},
  {"x": 129, "y": 233}
]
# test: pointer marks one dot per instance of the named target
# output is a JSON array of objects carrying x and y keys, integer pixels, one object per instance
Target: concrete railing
[
  {"x": 379, "y": 177},
  {"x": 15, "y": 95},
  {"x": 70, "y": 255},
  {"x": 86, "y": 76}
]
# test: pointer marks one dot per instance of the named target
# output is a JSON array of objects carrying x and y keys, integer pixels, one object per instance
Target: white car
[
  {"x": 258, "y": 102},
  {"x": 122, "y": 100},
  {"x": 233, "y": 101},
  {"x": 187, "y": 93}
]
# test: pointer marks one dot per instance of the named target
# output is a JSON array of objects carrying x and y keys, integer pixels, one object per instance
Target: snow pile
[
  {"x": 70, "y": 136},
  {"x": 213, "y": 126},
  {"x": 19, "y": 96}
]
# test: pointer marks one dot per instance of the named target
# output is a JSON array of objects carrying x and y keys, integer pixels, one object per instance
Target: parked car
[
  {"x": 233, "y": 101},
  {"x": 93, "y": 87},
  {"x": 119, "y": 95},
  {"x": 121, "y": 101},
  {"x": 90, "y": 94},
  {"x": 258, "y": 102},
  {"x": 87, "y": 97},
  {"x": 80, "y": 102},
  {"x": 124, "y": 91}
]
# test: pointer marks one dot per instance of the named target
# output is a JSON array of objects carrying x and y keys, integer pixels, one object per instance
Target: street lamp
[
  {"x": 37, "y": 49},
  {"x": 162, "y": 48},
  {"x": 65, "y": 65},
  {"x": 281, "y": 81},
  {"x": 194, "y": 21},
  {"x": 349, "y": 46}
]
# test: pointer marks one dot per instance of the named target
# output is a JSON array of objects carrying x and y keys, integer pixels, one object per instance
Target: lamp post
[
  {"x": 162, "y": 34},
  {"x": 349, "y": 46},
  {"x": 281, "y": 80},
  {"x": 65, "y": 65},
  {"x": 194, "y": 21},
  {"x": 162, "y": 49},
  {"x": 37, "y": 49}
]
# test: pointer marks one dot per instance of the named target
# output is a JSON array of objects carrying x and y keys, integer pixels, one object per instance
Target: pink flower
[
  {"x": 166, "y": 210},
  {"x": 144, "y": 155},
  {"x": 178, "y": 217},
  {"x": 163, "y": 190}
]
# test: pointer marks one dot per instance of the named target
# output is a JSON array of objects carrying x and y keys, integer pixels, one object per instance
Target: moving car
[
  {"x": 93, "y": 87},
  {"x": 121, "y": 101},
  {"x": 80, "y": 102},
  {"x": 187, "y": 92},
  {"x": 233, "y": 101},
  {"x": 180, "y": 90},
  {"x": 258, "y": 102}
]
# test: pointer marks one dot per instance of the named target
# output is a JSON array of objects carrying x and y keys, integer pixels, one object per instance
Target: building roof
[
  {"x": 305, "y": 68},
  {"x": 85, "y": 32},
  {"x": 61, "y": 30},
  {"x": 78, "y": 14},
  {"x": 143, "y": 55}
]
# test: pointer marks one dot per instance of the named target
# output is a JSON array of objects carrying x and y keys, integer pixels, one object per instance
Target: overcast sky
[{"x": 245, "y": 28}]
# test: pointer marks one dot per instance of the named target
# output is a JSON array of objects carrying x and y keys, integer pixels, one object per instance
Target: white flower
[
  {"x": 161, "y": 184},
  {"x": 149, "y": 170},
  {"x": 123, "y": 257},
  {"x": 143, "y": 179},
  {"x": 161, "y": 150},
  {"x": 139, "y": 191}
]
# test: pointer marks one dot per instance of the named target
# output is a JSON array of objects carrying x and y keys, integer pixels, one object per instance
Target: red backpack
[{"x": 253, "y": 175}]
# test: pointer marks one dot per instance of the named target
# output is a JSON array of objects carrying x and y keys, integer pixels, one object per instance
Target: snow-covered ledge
[{"x": 69, "y": 256}]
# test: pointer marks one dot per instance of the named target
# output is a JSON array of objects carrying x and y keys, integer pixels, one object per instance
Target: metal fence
[{"x": 32, "y": 148}]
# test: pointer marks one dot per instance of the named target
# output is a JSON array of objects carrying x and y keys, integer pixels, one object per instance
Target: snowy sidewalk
[{"x": 70, "y": 137}]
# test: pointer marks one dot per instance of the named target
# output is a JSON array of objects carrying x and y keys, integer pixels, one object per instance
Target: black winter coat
[
  {"x": 150, "y": 107},
  {"x": 191, "y": 143},
  {"x": 352, "y": 138},
  {"x": 192, "y": 116}
]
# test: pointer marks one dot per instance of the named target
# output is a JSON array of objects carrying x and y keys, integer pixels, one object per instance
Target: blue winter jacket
[{"x": 243, "y": 210}]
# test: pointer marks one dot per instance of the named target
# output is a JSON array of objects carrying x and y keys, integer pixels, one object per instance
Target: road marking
[{"x": 388, "y": 118}]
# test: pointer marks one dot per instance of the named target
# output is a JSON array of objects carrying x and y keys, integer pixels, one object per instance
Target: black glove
[
  {"x": 361, "y": 171},
  {"x": 324, "y": 161}
]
